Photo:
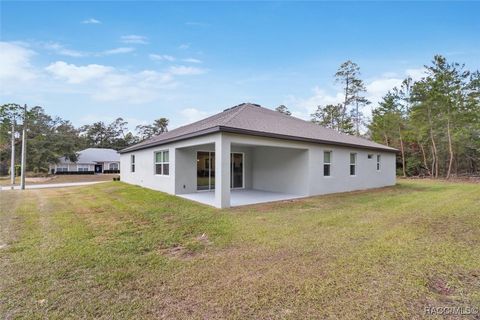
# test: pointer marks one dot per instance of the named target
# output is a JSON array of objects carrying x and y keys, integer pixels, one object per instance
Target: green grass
[{"x": 119, "y": 251}]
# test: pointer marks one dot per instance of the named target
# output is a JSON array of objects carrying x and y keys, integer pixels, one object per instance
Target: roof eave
[
  {"x": 174, "y": 139},
  {"x": 253, "y": 133},
  {"x": 295, "y": 138}
]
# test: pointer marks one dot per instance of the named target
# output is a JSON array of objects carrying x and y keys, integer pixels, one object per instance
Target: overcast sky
[{"x": 96, "y": 61}]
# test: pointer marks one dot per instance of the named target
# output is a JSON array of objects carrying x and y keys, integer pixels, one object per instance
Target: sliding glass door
[
  {"x": 206, "y": 170},
  {"x": 236, "y": 170}
]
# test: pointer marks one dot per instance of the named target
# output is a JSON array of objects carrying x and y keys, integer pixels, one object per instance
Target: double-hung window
[
  {"x": 82, "y": 169},
  {"x": 353, "y": 164},
  {"x": 132, "y": 163},
  {"x": 162, "y": 164},
  {"x": 378, "y": 162},
  {"x": 327, "y": 163}
]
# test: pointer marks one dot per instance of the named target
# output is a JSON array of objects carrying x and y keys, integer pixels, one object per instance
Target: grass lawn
[
  {"x": 5, "y": 181},
  {"x": 120, "y": 251}
]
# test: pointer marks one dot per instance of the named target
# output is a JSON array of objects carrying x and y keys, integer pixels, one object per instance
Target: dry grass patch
[{"x": 119, "y": 251}]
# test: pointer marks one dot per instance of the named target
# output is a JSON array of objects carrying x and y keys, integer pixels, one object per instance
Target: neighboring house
[
  {"x": 96, "y": 160},
  {"x": 249, "y": 154}
]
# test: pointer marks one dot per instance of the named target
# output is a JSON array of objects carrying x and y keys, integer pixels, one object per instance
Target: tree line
[
  {"x": 434, "y": 122},
  {"x": 50, "y": 138}
]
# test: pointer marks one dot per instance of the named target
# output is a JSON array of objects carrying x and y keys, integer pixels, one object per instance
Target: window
[
  {"x": 162, "y": 165},
  {"x": 353, "y": 163},
  {"x": 113, "y": 166},
  {"x": 82, "y": 169},
  {"x": 370, "y": 156},
  {"x": 132, "y": 163},
  {"x": 327, "y": 162},
  {"x": 62, "y": 169},
  {"x": 378, "y": 162}
]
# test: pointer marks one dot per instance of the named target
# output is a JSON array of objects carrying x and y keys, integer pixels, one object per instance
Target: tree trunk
[
  {"x": 434, "y": 146},
  {"x": 403, "y": 152},
  {"x": 424, "y": 158},
  {"x": 450, "y": 150},
  {"x": 347, "y": 83}
]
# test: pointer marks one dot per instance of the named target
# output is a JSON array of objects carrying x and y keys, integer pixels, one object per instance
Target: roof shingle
[{"x": 253, "y": 119}]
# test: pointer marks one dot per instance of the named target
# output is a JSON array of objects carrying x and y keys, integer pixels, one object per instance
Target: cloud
[
  {"x": 184, "y": 70},
  {"x": 133, "y": 38},
  {"x": 416, "y": 74},
  {"x": 306, "y": 106},
  {"x": 15, "y": 64},
  {"x": 160, "y": 57},
  {"x": 376, "y": 88},
  {"x": 192, "y": 60},
  {"x": 117, "y": 51},
  {"x": 105, "y": 83},
  {"x": 184, "y": 46},
  {"x": 77, "y": 74},
  {"x": 61, "y": 50},
  {"x": 91, "y": 21},
  {"x": 191, "y": 115}
]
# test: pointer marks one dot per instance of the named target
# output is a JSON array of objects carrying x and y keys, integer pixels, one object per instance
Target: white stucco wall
[
  {"x": 282, "y": 170},
  {"x": 270, "y": 164}
]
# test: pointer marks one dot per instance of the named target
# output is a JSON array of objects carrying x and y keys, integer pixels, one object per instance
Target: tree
[
  {"x": 283, "y": 109},
  {"x": 159, "y": 126},
  {"x": 348, "y": 74},
  {"x": 388, "y": 123},
  {"x": 441, "y": 98},
  {"x": 330, "y": 116},
  {"x": 114, "y": 135},
  {"x": 435, "y": 121}
]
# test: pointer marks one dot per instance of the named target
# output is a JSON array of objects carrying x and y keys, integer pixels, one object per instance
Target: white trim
[
  {"x": 329, "y": 163},
  {"x": 352, "y": 164},
  {"x": 161, "y": 163},
  {"x": 133, "y": 163}
]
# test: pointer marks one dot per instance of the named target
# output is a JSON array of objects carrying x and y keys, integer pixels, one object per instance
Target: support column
[{"x": 222, "y": 172}]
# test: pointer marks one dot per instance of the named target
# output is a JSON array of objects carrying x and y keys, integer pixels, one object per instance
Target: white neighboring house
[
  {"x": 249, "y": 154},
  {"x": 96, "y": 160}
]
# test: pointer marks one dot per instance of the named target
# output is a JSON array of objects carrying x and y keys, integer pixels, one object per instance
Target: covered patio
[{"x": 240, "y": 197}]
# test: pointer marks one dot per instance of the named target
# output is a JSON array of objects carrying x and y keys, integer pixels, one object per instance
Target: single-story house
[
  {"x": 249, "y": 154},
  {"x": 96, "y": 160}
]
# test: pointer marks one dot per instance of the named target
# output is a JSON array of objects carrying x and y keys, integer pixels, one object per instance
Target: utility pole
[
  {"x": 24, "y": 148},
  {"x": 12, "y": 161}
]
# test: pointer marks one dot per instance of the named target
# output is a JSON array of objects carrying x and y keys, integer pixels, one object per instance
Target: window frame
[
  {"x": 162, "y": 162},
  {"x": 115, "y": 164},
  {"x": 354, "y": 164},
  {"x": 132, "y": 163},
  {"x": 329, "y": 164},
  {"x": 379, "y": 162}
]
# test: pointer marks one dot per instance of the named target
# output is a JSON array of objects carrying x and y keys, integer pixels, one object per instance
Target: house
[
  {"x": 91, "y": 160},
  {"x": 250, "y": 154}
]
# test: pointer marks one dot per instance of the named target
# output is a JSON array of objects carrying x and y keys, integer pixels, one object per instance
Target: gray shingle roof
[
  {"x": 93, "y": 155},
  {"x": 253, "y": 119}
]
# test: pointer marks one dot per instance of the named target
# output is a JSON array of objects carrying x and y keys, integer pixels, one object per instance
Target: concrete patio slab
[{"x": 240, "y": 197}]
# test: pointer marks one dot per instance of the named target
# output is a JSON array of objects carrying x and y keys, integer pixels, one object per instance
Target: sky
[{"x": 96, "y": 61}]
